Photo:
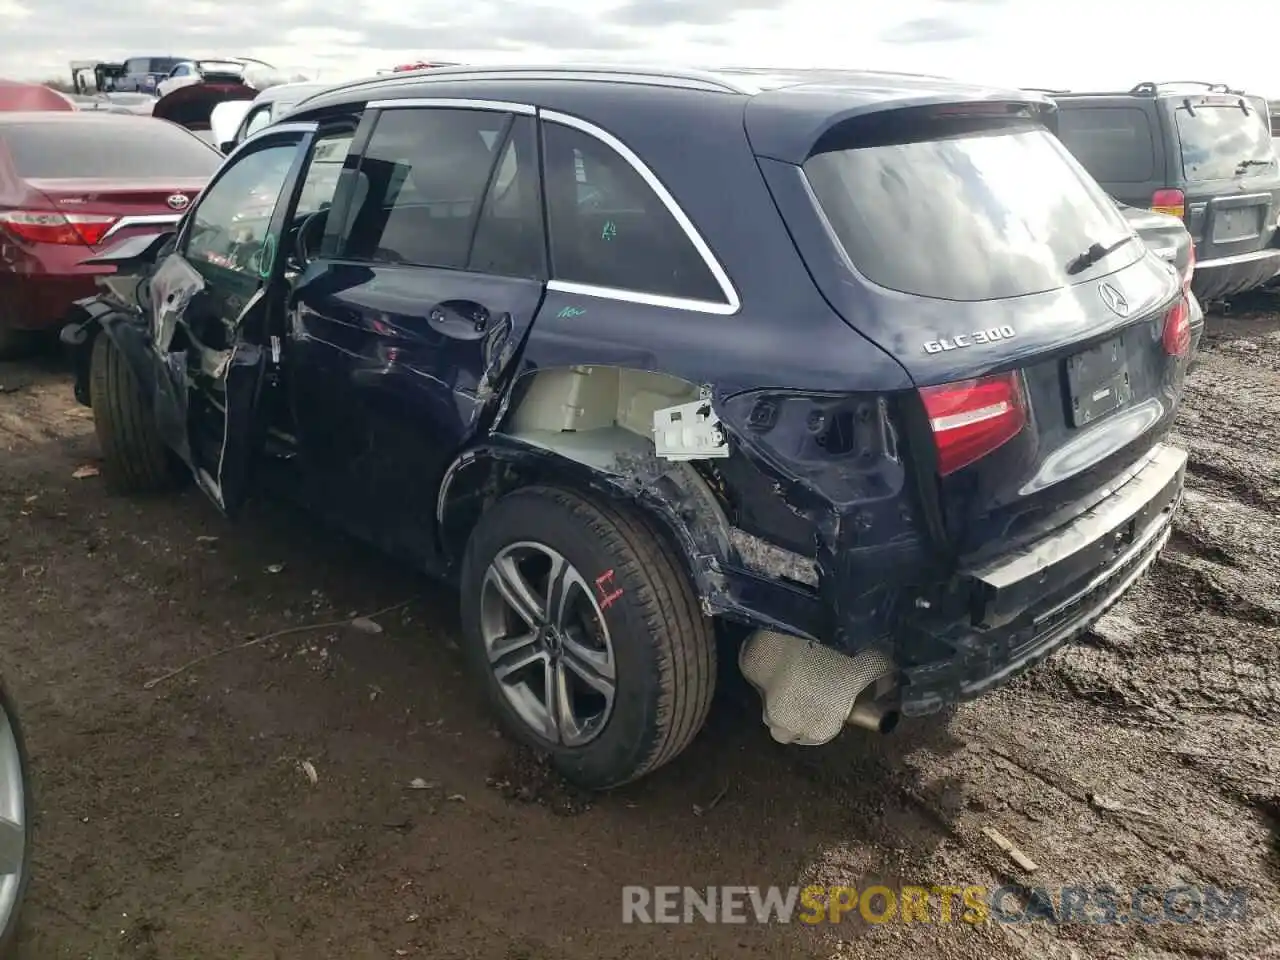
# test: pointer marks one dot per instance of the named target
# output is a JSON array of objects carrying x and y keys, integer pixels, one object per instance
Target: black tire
[
  {"x": 664, "y": 646},
  {"x": 135, "y": 459},
  {"x": 9, "y": 933}
]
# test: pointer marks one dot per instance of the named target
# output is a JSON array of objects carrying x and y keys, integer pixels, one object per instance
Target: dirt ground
[{"x": 181, "y": 820}]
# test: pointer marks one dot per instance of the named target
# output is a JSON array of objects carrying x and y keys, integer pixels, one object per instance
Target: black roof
[{"x": 788, "y": 109}]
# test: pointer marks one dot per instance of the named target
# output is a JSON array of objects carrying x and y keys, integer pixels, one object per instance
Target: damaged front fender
[
  {"x": 98, "y": 316},
  {"x": 122, "y": 299}
]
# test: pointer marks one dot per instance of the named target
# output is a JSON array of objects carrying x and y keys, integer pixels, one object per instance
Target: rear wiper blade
[{"x": 1095, "y": 253}]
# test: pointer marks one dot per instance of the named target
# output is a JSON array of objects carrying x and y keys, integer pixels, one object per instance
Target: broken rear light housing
[
  {"x": 1177, "y": 329},
  {"x": 972, "y": 418},
  {"x": 72, "y": 229}
]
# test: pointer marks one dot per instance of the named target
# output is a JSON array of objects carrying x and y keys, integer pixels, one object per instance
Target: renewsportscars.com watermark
[{"x": 1101, "y": 904}]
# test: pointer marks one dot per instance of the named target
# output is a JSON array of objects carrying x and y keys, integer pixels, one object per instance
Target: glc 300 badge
[{"x": 978, "y": 337}]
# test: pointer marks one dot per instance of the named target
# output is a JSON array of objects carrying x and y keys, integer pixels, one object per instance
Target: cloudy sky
[{"x": 1045, "y": 43}]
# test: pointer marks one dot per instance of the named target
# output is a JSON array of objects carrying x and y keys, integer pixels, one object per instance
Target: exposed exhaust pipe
[
  {"x": 874, "y": 715},
  {"x": 812, "y": 692}
]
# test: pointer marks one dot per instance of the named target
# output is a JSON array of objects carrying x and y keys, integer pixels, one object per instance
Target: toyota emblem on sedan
[
  {"x": 178, "y": 201},
  {"x": 1114, "y": 299}
]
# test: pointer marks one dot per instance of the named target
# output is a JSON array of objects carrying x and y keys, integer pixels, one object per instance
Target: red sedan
[{"x": 71, "y": 183}]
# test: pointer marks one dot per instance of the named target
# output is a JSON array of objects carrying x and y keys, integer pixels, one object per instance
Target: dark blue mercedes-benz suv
[{"x": 856, "y": 377}]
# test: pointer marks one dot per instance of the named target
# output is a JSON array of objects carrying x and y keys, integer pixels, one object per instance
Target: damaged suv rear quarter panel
[{"x": 764, "y": 534}]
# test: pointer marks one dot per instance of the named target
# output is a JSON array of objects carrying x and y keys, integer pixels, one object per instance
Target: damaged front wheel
[
  {"x": 135, "y": 459},
  {"x": 587, "y": 635}
]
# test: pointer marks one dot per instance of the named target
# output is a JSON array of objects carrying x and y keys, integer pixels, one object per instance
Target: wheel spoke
[
  {"x": 516, "y": 591},
  {"x": 568, "y": 729},
  {"x": 509, "y": 646},
  {"x": 595, "y": 667},
  {"x": 12, "y": 839},
  {"x": 560, "y": 582},
  {"x": 515, "y": 659}
]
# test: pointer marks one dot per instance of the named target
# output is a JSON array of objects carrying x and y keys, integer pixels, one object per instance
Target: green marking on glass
[
  {"x": 267, "y": 257},
  {"x": 571, "y": 312},
  {"x": 609, "y": 231}
]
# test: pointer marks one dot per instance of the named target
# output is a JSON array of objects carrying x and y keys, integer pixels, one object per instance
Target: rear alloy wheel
[
  {"x": 15, "y": 825},
  {"x": 587, "y": 634},
  {"x": 135, "y": 459}
]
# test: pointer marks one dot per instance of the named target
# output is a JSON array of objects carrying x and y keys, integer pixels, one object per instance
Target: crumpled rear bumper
[{"x": 1027, "y": 605}]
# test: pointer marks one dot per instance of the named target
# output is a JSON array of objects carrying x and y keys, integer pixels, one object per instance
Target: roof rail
[
  {"x": 1054, "y": 90},
  {"x": 1150, "y": 88},
  {"x": 666, "y": 76}
]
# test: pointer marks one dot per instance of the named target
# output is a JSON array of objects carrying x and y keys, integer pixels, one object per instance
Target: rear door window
[
  {"x": 424, "y": 174},
  {"x": 610, "y": 230},
  {"x": 1221, "y": 141},
  {"x": 1115, "y": 144},
  {"x": 967, "y": 215},
  {"x": 509, "y": 240},
  {"x": 320, "y": 183}
]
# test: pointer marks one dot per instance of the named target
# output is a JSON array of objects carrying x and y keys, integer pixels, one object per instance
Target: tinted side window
[
  {"x": 320, "y": 182},
  {"x": 509, "y": 240},
  {"x": 230, "y": 225},
  {"x": 424, "y": 175},
  {"x": 609, "y": 229},
  {"x": 136, "y": 65},
  {"x": 1115, "y": 144}
]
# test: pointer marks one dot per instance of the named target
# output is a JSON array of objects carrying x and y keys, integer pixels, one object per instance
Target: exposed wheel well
[{"x": 590, "y": 428}]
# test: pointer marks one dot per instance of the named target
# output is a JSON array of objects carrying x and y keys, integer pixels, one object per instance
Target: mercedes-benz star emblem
[
  {"x": 1114, "y": 299},
  {"x": 178, "y": 201}
]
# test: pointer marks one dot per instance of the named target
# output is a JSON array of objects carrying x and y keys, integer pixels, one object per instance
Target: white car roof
[{"x": 291, "y": 92}]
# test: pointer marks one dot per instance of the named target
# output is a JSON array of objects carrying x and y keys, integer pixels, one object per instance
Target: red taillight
[
  {"x": 971, "y": 418},
  {"x": 1177, "y": 329},
  {"x": 1172, "y": 202},
  {"x": 36, "y": 226}
]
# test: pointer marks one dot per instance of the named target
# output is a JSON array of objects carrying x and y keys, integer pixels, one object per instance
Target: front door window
[{"x": 230, "y": 231}]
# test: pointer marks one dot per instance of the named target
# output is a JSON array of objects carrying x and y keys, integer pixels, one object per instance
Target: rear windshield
[
  {"x": 1220, "y": 142},
  {"x": 974, "y": 216},
  {"x": 1115, "y": 144},
  {"x": 119, "y": 149}
]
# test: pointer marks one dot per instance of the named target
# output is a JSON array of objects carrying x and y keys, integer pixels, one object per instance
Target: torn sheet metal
[
  {"x": 226, "y": 479},
  {"x": 174, "y": 285}
]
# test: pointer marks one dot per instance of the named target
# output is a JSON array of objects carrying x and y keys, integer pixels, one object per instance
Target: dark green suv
[{"x": 1202, "y": 152}]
